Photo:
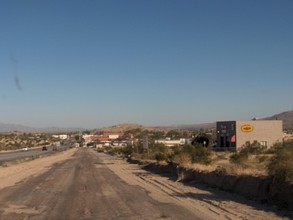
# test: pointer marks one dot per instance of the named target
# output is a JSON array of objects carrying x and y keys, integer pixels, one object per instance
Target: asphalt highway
[{"x": 30, "y": 153}]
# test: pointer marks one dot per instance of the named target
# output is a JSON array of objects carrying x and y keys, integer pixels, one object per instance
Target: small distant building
[
  {"x": 87, "y": 138},
  {"x": 170, "y": 143},
  {"x": 232, "y": 135},
  {"x": 61, "y": 136},
  {"x": 108, "y": 139},
  {"x": 113, "y": 136}
]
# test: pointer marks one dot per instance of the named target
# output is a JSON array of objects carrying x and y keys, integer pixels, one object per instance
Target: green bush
[
  {"x": 189, "y": 149},
  {"x": 198, "y": 153},
  {"x": 182, "y": 158},
  {"x": 248, "y": 149},
  {"x": 158, "y": 148},
  {"x": 128, "y": 150},
  {"x": 176, "y": 149},
  {"x": 160, "y": 156},
  {"x": 138, "y": 148},
  {"x": 281, "y": 166},
  {"x": 262, "y": 158},
  {"x": 157, "y": 152},
  {"x": 239, "y": 157},
  {"x": 202, "y": 155},
  {"x": 253, "y": 148}
]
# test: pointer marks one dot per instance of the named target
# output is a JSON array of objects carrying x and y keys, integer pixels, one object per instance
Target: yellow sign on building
[{"x": 247, "y": 128}]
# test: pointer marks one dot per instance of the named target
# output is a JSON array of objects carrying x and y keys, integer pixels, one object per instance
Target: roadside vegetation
[
  {"x": 281, "y": 165},
  {"x": 276, "y": 161},
  {"x": 18, "y": 140},
  {"x": 252, "y": 159}
]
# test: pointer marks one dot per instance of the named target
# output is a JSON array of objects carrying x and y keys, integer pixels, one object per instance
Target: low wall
[{"x": 251, "y": 187}]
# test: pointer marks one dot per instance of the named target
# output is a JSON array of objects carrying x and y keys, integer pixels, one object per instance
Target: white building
[
  {"x": 170, "y": 143},
  {"x": 61, "y": 136}
]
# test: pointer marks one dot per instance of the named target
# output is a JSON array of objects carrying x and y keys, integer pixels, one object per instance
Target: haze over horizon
[{"x": 94, "y": 64}]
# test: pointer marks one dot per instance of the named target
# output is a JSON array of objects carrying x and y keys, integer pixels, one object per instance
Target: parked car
[
  {"x": 44, "y": 148},
  {"x": 54, "y": 148}
]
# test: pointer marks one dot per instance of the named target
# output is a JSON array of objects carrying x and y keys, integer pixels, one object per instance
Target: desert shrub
[
  {"x": 239, "y": 157},
  {"x": 221, "y": 156},
  {"x": 198, "y": 153},
  {"x": 128, "y": 150},
  {"x": 202, "y": 155},
  {"x": 176, "y": 149},
  {"x": 100, "y": 150},
  {"x": 159, "y": 148},
  {"x": 188, "y": 149},
  {"x": 160, "y": 156},
  {"x": 158, "y": 152},
  {"x": 221, "y": 170},
  {"x": 117, "y": 150},
  {"x": 138, "y": 148},
  {"x": 109, "y": 150},
  {"x": 248, "y": 149},
  {"x": 170, "y": 157},
  {"x": 182, "y": 158},
  {"x": 253, "y": 148},
  {"x": 281, "y": 166},
  {"x": 275, "y": 148},
  {"x": 262, "y": 158}
]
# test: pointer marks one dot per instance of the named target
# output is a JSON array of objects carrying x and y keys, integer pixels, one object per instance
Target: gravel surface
[{"x": 83, "y": 184}]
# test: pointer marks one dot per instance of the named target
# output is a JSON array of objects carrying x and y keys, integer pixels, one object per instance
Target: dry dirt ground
[{"x": 83, "y": 184}]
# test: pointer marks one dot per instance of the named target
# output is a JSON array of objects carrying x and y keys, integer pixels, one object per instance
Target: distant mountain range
[
  {"x": 16, "y": 127},
  {"x": 211, "y": 125},
  {"x": 287, "y": 118}
]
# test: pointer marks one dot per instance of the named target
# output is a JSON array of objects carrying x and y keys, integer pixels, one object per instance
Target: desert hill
[{"x": 286, "y": 117}]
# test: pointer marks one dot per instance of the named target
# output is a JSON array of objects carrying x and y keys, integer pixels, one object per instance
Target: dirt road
[{"x": 82, "y": 184}]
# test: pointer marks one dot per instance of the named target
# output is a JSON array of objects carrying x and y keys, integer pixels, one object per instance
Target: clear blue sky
[{"x": 96, "y": 63}]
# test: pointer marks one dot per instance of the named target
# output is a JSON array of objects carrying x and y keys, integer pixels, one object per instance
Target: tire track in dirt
[
  {"x": 81, "y": 187},
  {"x": 214, "y": 206}
]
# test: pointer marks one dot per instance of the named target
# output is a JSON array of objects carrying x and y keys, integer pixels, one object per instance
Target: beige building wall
[{"x": 266, "y": 132}]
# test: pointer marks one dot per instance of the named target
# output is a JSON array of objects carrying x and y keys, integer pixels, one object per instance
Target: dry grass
[
  {"x": 183, "y": 159},
  {"x": 202, "y": 167},
  {"x": 255, "y": 165}
]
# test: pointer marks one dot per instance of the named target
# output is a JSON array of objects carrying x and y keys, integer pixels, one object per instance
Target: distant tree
[
  {"x": 173, "y": 134},
  {"x": 136, "y": 132},
  {"x": 142, "y": 134},
  {"x": 158, "y": 135},
  {"x": 201, "y": 139},
  {"x": 87, "y": 132},
  {"x": 185, "y": 134}
]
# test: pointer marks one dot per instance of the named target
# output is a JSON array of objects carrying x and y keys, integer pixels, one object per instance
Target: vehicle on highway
[
  {"x": 44, "y": 148},
  {"x": 25, "y": 148}
]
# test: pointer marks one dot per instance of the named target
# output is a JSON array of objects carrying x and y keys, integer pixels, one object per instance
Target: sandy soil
[
  {"x": 207, "y": 202},
  {"x": 83, "y": 187},
  {"x": 214, "y": 204}
]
